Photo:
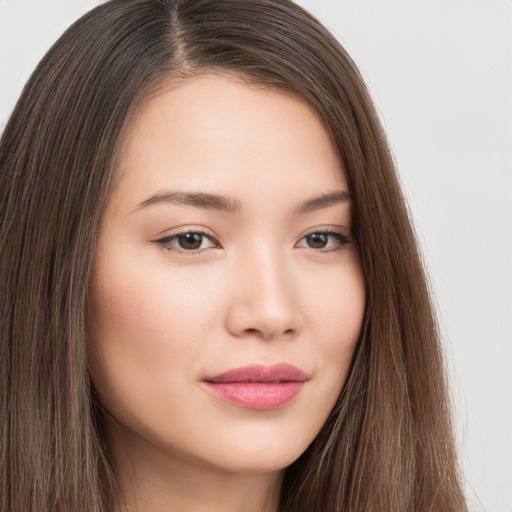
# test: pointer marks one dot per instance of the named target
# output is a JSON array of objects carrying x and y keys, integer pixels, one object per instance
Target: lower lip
[{"x": 256, "y": 395}]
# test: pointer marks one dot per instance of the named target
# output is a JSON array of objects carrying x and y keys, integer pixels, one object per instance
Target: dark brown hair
[{"x": 387, "y": 445}]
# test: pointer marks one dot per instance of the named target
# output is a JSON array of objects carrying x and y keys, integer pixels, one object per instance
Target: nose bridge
[{"x": 265, "y": 299}]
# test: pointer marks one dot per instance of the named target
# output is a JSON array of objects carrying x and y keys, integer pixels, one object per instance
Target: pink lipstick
[{"x": 257, "y": 386}]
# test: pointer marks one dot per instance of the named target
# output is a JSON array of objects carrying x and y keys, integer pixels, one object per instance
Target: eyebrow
[
  {"x": 324, "y": 201},
  {"x": 231, "y": 205},
  {"x": 196, "y": 199}
]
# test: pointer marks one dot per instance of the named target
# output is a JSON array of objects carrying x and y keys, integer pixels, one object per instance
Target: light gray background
[{"x": 440, "y": 72}]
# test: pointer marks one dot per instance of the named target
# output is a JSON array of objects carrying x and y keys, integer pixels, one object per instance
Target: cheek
[
  {"x": 336, "y": 309},
  {"x": 145, "y": 325},
  {"x": 147, "y": 304}
]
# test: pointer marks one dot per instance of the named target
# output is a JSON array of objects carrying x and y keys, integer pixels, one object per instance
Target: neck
[{"x": 154, "y": 480}]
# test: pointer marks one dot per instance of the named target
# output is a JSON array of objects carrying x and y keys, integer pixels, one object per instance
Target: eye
[
  {"x": 188, "y": 242},
  {"x": 324, "y": 240}
]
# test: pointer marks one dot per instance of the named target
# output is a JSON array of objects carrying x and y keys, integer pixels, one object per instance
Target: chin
[
  {"x": 256, "y": 455},
  {"x": 255, "y": 462}
]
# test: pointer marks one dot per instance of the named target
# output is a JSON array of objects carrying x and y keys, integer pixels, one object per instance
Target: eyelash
[{"x": 165, "y": 243}]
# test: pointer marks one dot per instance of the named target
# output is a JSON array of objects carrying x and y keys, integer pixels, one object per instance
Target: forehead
[{"x": 219, "y": 132}]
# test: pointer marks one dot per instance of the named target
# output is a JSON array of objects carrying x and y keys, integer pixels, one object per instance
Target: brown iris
[
  {"x": 190, "y": 241},
  {"x": 317, "y": 240}
]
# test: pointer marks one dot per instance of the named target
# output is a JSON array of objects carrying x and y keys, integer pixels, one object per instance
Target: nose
[{"x": 264, "y": 302}]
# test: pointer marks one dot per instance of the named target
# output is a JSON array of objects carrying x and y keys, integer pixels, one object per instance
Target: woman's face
[{"x": 225, "y": 244}]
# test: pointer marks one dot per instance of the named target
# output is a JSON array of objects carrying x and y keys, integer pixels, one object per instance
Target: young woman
[{"x": 211, "y": 295}]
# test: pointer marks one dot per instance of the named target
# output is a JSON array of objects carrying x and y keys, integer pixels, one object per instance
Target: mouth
[{"x": 257, "y": 386}]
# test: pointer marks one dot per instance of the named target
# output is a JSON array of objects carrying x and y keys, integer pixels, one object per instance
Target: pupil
[
  {"x": 190, "y": 240},
  {"x": 317, "y": 240}
]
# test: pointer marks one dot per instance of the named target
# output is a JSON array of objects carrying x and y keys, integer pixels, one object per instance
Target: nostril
[{"x": 267, "y": 334}]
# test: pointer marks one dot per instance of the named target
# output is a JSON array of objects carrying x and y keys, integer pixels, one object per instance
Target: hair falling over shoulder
[{"x": 388, "y": 444}]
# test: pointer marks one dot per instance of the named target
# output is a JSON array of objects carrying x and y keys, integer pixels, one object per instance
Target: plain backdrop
[{"x": 440, "y": 72}]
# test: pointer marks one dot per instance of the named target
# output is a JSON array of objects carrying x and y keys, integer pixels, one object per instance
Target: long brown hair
[{"x": 387, "y": 445}]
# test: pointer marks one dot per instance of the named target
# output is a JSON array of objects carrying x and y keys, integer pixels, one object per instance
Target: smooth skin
[{"x": 184, "y": 291}]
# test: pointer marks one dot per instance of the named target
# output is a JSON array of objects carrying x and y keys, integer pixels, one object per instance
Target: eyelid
[
  {"x": 342, "y": 234},
  {"x": 164, "y": 243},
  {"x": 327, "y": 229}
]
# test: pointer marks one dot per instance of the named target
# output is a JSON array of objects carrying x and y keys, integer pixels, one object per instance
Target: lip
[{"x": 257, "y": 386}]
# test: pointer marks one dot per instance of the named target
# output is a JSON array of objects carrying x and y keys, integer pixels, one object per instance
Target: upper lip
[{"x": 280, "y": 372}]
